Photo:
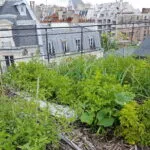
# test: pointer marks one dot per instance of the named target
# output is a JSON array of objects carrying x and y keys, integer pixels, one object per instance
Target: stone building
[
  {"x": 18, "y": 31},
  {"x": 146, "y": 10},
  {"x": 135, "y": 27},
  {"x": 121, "y": 18},
  {"x": 71, "y": 39}
]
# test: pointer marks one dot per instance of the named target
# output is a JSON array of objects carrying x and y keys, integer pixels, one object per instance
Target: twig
[
  {"x": 136, "y": 147},
  {"x": 92, "y": 147},
  {"x": 69, "y": 142},
  {"x": 1, "y": 82},
  {"x": 132, "y": 148},
  {"x": 37, "y": 89}
]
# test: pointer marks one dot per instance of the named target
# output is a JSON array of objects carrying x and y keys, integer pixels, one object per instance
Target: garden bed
[{"x": 110, "y": 97}]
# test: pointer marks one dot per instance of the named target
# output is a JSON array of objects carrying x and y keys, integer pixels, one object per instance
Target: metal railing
[{"x": 135, "y": 32}]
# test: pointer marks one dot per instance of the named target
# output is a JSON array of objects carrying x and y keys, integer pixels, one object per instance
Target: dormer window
[
  {"x": 21, "y": 6},
  {"x": 22, "y": 9}
]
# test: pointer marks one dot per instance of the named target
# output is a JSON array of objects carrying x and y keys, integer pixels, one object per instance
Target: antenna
[{"x": 46, "y": 9}]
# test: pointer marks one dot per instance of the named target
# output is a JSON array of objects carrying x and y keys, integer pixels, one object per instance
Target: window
[
  {"x": 145, "y": 33},
  {"x": 51, "y": 49},
  {"x": 99, "y": 27},
  {"x": 91, "y": 43},
  {"x": 99, "y": 21},
  {"x": 109, "y": 27},
  {"x": 9, "y": 60},
  {"x": 78, "y": 44},
  {"x": 114, "y": 22},
  {"x": 108, "y": 21},
  {"x": 104, "y": 21},
  {"x": 113, "y": 28},
  {"x": 65, "y": 47},
  {"x": 102, "y": 15},
  {"x": 22, "y": 9}
]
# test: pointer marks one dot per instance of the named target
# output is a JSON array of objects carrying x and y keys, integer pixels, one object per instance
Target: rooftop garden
[{"x": 110, "y": 96}]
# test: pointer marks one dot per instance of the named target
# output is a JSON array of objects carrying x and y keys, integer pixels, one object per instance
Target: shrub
[
  {"x": 78, "y": 68},
  {"x": 101, "y": 98},
  {"x": 98, "y": 89},
  {"x": 52, "y": 86},
  {"x": 135, "y": 123},
  {"x": 129, "y": 71},
  {"x": 109, "y": 43},
  {"x": 24, "y": 126}
]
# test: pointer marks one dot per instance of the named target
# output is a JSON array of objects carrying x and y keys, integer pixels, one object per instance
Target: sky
[{"x": 136, "y": 3}]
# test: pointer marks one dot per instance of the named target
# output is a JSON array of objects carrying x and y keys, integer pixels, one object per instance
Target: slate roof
[
  {"x": 57, "y": 35},
  {"x": 10, "y": 8},
  {"x": 123, "y": 52},
  {"x": 144, "y": 49},
  {"x": 25, "y": 36},
  {"x": 21, "y": 37},
  {"x": 76, "y": 3}
]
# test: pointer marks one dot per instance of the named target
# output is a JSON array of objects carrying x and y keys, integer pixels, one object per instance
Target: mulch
[{"x": 86, "y": 140}]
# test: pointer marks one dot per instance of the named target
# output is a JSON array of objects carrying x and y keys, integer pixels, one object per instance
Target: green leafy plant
[
  {"x": 52, "y": 86},
  {"x": 26, "y": 127},
  {"x": 97, "y": 89},
  {"x": 101, "y": 98},
  {"x": 108, "y": 42},
  {"x": 135, "y": 123}
]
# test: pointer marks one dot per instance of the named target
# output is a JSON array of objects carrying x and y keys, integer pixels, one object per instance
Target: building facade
[
  {"x": 18, "y": 31},
  {"x": 135, "y": 27},
  {"x": 121, "y": 18},
  {"x": 67, "y": 39}
]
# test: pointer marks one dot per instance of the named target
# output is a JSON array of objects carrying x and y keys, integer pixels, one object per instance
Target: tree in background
[{"x": 108, "y": 42}]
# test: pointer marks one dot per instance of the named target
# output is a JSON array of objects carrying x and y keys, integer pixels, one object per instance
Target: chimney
[
  {"x": 32, "y": 5},
  {"x": 2, "y": 2}
]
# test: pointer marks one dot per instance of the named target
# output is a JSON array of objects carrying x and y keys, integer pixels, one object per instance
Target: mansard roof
[
  {"x": 144, "y": 50},
  {"x": 75, "y": 3},
  {"x": 24, "y": 32},
  {"x": 9, "y": 7}
]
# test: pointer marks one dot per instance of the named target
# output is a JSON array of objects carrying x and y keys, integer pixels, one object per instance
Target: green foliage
[
  {"x": 102, "y": 91},
  {"x": 108, "y": 43},
  {"x": 135, "y": 123},
  {"x": 100, "y": 98},
  {"x": 87, "y": 118},
  {"x": 23, "y": 126},
  {"x": 129, "y": 71},
  {"x": 77, "y": 69},
  {"x": 52, "y": 86}
]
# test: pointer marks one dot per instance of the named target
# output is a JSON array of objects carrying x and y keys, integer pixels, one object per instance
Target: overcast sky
[{"x": 136, "y": 3}]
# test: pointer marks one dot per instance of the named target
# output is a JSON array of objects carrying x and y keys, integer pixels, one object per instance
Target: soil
[{"x": 85, "y": 140}]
